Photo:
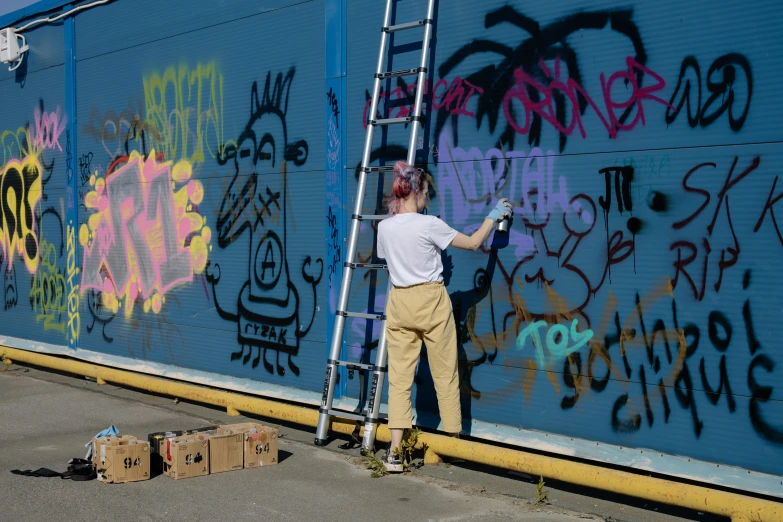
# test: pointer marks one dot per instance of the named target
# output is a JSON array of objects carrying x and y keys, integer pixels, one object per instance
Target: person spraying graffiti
[{"x": 419, "y": 308}]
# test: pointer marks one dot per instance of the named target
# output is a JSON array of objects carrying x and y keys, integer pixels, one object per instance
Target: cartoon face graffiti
[
  {"x": 549, "y": 266},
  {"x": 255, "y": 202}
]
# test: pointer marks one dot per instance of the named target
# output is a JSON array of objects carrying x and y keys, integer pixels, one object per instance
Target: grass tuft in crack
[{"x": 542, "y": 497}]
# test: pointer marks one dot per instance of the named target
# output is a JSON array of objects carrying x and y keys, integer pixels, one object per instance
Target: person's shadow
[{"x": 462, "y": 301}]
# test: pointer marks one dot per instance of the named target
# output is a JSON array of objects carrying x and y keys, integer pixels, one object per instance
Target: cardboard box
[
  {"x": 106, "y": 440},
  {"x": 261, "y": 446},
  {"x": 185, "y": 457},
  {"x": 226, "y": 451},
  {"x": 121, "y": 459},
  {"x": 260, "y": 443},
  {"x": 157, "y": 439}
]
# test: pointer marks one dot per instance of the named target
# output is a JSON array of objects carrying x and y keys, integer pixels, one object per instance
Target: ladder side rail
[
  {"x": 322, "y": 431},
  {"x": 368, "y": 441},
  {"x": 422, "y": 78},
  {"x": 376, "y": 390}
]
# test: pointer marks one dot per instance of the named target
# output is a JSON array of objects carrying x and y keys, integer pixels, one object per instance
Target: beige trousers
[{"x": 415, "y": 314}]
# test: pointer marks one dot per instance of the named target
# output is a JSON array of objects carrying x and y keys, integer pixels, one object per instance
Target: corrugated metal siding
[
  {"x": 196, "y": 104},
  {"x": 635, "y": 302},
  {"x": 32, "y": 167},
  {"x": 610, "y": 377}
]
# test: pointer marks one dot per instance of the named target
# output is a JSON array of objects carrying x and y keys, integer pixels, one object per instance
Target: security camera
[{"x": 10, "y": 50}]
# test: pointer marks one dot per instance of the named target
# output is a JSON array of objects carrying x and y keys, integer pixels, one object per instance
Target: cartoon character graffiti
[{"x": 268, "y": 315}]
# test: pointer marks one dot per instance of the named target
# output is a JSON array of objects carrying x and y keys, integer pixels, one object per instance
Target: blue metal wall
[{"x": 190, "y": 180}]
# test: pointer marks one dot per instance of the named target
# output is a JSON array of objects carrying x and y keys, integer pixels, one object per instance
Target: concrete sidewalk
[{"x": 46, "y": 418}]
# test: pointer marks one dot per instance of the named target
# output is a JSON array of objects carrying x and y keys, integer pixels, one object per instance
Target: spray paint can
[{"x": 504, "y": 224}]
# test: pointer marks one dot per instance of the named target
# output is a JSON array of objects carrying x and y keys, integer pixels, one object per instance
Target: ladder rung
[
  {"x": 406, "y": 25},
  {"x": 370, "y": 217},
  {"x": 391, "y": 121},
  {"x": 357, "y": 366},
  {"x": 366, "y": 266},
  {"x": 382, "y": 168},
  {"x": 345, "y": 414},
  {"x": 359, "y": 315},
  {"x": 401, "y": 72}
]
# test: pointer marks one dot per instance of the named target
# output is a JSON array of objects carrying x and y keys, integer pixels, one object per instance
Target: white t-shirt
[{"x": 411, "y": 244}]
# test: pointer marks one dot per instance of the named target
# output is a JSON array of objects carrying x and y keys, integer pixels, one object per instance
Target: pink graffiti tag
[
  {"x": 49, "y": 126},
  {"x": 572, "y": 91},
  {"x": 452, "y": 97}
]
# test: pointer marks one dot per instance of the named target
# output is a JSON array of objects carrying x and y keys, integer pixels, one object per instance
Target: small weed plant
[
  {"x": 542, "y": 497},
  {"x": 376, "y": 467},
  {"x": 410, "y": 443}
]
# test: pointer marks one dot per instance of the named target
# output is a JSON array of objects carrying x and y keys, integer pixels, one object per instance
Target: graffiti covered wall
[
  {"x": 182, "y": 206},
  {"x": 636, "y": 299},
  {"x": 34, "y": 159},
  {"x": 177, "y": 230},
  {"x": 198, "y": 175}
]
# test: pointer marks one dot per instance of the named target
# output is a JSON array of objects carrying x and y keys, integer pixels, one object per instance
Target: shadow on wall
[{"x": 463, "y": 303}]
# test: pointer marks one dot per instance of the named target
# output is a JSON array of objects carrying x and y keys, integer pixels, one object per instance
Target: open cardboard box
[
  {"x": 121, "y": 459},
  {"x": 157, "y": 439},
  {"x": 259, "y": 441},
  {"x": 226, "y": 451},
  {"x": 185, "y": 457}
]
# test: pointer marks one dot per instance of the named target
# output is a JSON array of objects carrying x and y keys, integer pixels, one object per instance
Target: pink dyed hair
[{"x": 407, "y": 180}]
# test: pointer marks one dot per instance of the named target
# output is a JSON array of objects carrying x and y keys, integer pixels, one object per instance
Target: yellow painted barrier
[{"x": 739, "y": 507}]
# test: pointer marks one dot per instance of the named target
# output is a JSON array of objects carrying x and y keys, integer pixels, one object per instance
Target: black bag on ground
[{"x": 78, "y": 469}]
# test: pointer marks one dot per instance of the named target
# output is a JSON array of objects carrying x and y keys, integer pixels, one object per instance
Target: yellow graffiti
[
  {"x": 20, "y": 191},
  {"x": 74, "y": 322},
  {"x": 47, "y": 292},
  {"x": 13, "y": 144},
  {"x": 184, "y": 110},
  {"x": 128, "y": 279}
]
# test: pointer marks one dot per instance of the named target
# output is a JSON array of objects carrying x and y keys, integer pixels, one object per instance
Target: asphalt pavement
[{"x": 46, "y": 418}]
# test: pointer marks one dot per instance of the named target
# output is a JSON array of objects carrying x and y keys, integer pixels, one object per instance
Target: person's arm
[
  {"x": 475, "y": 240},
  {"x": 472, "y": 242}
]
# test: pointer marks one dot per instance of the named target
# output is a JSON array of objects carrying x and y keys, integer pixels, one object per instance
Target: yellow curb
[
  {"x": 430, "y": 457},
  {"x": 739, "y": 508}
]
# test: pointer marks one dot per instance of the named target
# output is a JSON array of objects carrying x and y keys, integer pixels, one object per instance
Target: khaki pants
[{"x": 415, "y": 314}]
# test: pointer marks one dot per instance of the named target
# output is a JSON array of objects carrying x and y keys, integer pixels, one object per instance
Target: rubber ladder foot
[
  {"x": 366, "y": 452},
  {"x": 320, "y": 442}
]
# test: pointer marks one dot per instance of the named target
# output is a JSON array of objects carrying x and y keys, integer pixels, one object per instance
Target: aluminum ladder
[{"x": 371, "y": 415}]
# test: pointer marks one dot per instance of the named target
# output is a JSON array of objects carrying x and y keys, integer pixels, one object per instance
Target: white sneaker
[{"x": 393, "y": 464}]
